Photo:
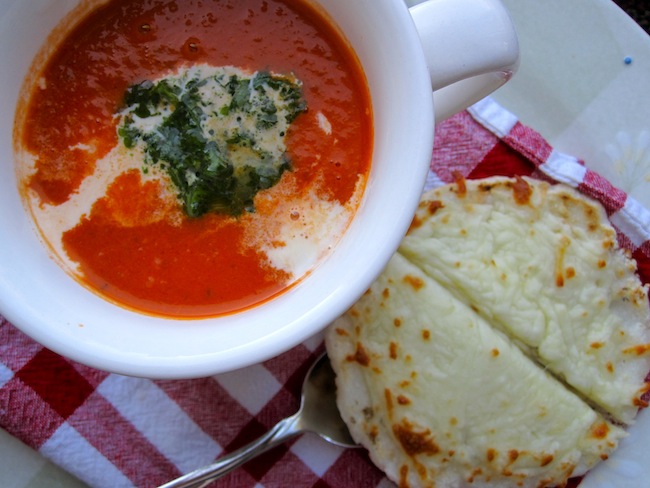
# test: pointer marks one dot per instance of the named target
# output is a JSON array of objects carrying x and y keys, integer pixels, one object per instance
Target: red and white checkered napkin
[{"x": 116, "y": 431}]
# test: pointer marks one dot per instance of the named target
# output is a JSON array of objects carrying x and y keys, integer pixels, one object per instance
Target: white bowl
[{"x": 47, "y": 304}]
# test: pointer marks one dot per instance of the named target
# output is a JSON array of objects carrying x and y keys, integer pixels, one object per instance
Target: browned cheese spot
[
  {"x": 397, "y": 322},
  {"x": 403, "y": 477},
  {"x": 433, "y": 206},
  {"x": 639, "y": 349},
  {"x": 559, "y": 280},
  {"x": 570, "y": 272},
  {"x": 360, "y": 356},
  {"x": 426, "y": 335},
  {"x": 602, "y": 263},
  {"x": 414, "y": 281},
  {"x": 596, "y": 345},
  {"x": 461, "y": 184},
  {"x": 385, "y": 293},
  {"x": 495, "y": 352},
  {"x": 521, "y": 191},
  {"x": 402, "y": 400},
  {"x": 414, "y": 442},
  {"x": 491, "y": 455},
  {"x": 592, "y": 218},
  {"x": 513, "y": 454},
  {"x": 559, "y": 264},
  {"x": 389, "y": 402},
  {"x": 341, "y": 332},
  {"x": 421, "y": 469},
  {"x": 374, "y": 432},
  {"x": 415, "y": 223},
  {"x": 485, "y": 187},
  {"x": 609, "y": 366},
  {"x": 472, "y": 477},
  {"x": 392, "y": 350},
  {"x": 546, "y": 460},
  {"x": 600, "y": 430}
]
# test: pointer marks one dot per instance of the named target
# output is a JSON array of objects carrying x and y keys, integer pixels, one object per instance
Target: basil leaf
[{"x": 199, "y": 130}]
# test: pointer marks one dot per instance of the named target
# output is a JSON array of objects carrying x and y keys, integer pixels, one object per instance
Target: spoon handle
[{"x": 281, "y": 432}]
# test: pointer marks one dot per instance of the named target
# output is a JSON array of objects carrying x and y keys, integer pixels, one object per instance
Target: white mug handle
[{"x": 471, "y": 49}]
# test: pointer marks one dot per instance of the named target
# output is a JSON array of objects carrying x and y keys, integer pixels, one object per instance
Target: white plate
[{"x": 576, "y": 89}]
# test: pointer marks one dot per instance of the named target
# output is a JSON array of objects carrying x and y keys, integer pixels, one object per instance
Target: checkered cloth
[{"x": 117, "y": 431}]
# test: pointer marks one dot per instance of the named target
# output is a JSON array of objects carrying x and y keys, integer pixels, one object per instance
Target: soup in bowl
[
  {"x": 190, "y": 188},
  {"x": 194, "y": 159}
]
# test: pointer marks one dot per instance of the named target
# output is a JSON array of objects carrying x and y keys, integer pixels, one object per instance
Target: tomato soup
[{"x": 97, "y": 173}]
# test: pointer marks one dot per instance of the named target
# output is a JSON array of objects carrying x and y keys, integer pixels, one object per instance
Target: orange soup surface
[{"x": 114, "y": 220}]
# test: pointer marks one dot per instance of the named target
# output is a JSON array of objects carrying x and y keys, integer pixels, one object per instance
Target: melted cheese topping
[
  {"x": 548, "y": 272},
  {"x": 502, "y": 345}
]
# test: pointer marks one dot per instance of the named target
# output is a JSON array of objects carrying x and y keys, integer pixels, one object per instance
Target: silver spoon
[{"x": 318, "y": 413}]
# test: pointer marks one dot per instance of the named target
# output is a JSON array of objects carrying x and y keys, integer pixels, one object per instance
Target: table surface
[{"x": 43, "y": 474}]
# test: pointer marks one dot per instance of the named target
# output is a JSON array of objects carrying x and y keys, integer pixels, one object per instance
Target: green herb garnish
[{"x": 219, "y": 137}]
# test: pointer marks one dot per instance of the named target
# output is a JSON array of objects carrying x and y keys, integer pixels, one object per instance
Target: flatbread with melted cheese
[{"x": 502, "y": 345}]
